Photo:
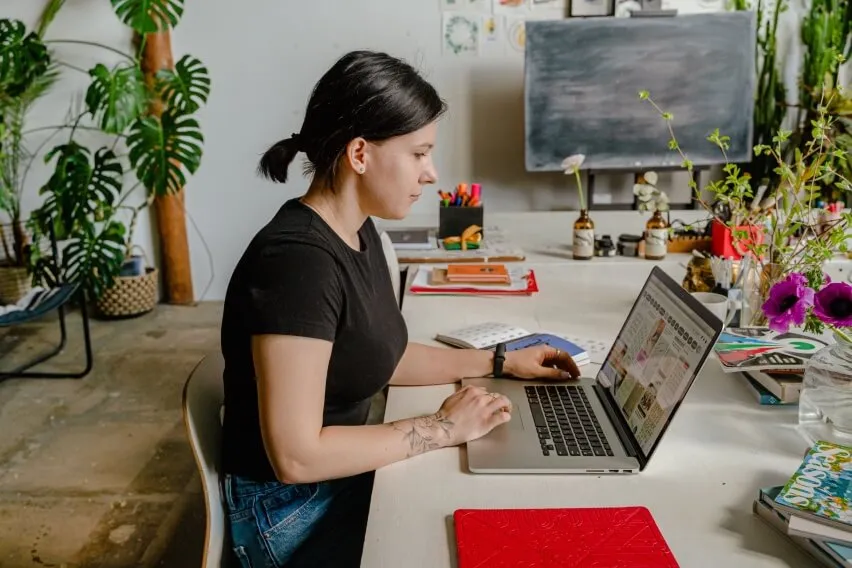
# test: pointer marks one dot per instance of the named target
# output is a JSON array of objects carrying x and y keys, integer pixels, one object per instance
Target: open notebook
[
  {"x": 626, "y": 537},
  {"x": 487, "y": 335}
]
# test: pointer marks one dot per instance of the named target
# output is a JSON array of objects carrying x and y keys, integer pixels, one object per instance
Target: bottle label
[
  {"x": 584, "y": 242},
  {"x": 656, "y": 241}
]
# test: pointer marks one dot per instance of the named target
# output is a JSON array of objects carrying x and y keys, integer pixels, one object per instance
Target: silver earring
[{"x": 361, "y": 170}]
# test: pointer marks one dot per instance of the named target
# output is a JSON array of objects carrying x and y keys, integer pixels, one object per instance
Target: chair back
[
  {"x": 203, "y": 395},
  {"x": 393, "y": 264}
]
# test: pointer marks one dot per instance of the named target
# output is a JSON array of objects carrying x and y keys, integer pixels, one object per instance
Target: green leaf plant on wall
[
  {"x": 87, "y": 200},
  {"x": 825, "y": 33},
  {"x": 27, "y": 72}
]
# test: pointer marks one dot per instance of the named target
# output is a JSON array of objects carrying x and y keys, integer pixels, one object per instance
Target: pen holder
[{"x": 452, "y": 221}]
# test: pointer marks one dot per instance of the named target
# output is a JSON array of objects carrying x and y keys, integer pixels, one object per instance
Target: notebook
[
  {"x": 627, "y": 537},
  {"x": 478, "y": 273},
  {"x": 487, "y": 335},
  {"x": 761, "y": 349},
  {"x": 522, "y": 283}
]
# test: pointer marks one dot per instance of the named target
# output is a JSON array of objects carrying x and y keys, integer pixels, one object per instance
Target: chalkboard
[{"x": 583, "y": 76}]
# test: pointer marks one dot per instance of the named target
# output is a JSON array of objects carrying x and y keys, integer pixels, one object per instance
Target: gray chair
[{"x": 203, "y": 395}]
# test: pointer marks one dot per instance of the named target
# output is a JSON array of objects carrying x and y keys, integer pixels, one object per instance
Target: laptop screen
[{"x": 654, "y": 359}]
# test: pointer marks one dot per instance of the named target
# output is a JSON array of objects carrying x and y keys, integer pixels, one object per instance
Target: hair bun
[{"x": 275, "y": 162}]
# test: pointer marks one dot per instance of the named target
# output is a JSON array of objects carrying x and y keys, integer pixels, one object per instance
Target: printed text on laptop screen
[{"x": 654, "y": 360}]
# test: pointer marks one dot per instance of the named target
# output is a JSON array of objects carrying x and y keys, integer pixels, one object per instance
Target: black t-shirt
[{"x": 298, "y": 277}]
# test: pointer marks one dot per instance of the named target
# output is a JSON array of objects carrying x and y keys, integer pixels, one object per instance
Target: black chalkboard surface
[{"x": 583, "y": 76}]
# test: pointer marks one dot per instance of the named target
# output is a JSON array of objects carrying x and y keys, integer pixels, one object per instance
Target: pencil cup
[{"x": 452, "y": 221}]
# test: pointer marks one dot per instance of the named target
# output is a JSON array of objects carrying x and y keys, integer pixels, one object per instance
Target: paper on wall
[
  {"x": 460, "y": 33},
  {"x": 516, "y": 33},
  {"x": 549, "y": 5},
  {"x": 510, "y": 6},
  {"x": 475, "y": 6}
]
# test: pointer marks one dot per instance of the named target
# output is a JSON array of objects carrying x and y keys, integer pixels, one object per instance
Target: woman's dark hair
[{"x": 367, "y": 94}]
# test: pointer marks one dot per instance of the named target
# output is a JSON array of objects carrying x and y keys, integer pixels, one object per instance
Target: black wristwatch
[{"x": 499, "y": 357}]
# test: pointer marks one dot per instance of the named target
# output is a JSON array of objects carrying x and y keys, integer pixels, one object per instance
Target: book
[
  {"x": 761, "y": 349},
  {"x": 487, "y": 335},
  {"x": 764, "y": 396},
  {"x": 823, "y": 552},
  {"x": 784, "y": 386},
  {"x": 522, "y": 283},
  {"x": 482, "y": 272},
  {"x": 627, "y": 537},
  {"x": 820, "y": 490}
]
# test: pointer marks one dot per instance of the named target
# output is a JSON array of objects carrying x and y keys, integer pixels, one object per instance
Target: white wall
[{"x": 264, "y": 57}]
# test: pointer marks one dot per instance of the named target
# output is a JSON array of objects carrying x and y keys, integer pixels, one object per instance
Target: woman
[{"x": 311, "y": 328}]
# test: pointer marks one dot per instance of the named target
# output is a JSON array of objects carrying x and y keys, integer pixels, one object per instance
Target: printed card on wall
[
  {"x": 555, "y": 5},
  {"x": 516, "y": 33},
  {"x": 460, "y": 34},
  {"x": 470, "y": 6},
  {"x": 492, "y": 36},
  {"x": 510, "y": 6}
]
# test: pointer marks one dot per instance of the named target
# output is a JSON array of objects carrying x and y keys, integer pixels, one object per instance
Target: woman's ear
[{"x": 356, "y": 154}]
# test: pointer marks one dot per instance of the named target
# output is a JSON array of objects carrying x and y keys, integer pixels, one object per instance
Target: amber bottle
[
  {"x": 583, "y": 243},
  {"x": 656, "y": 237}
]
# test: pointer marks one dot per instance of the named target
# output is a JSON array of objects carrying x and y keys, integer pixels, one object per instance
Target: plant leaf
[
  {"x": 149, "y": 16},
  {"x": 161, "y": 149},
  {"x": 94, "y": 257},
  {"x": 187, "y": 87},
  {"x": 79, "y": 191},
  {"x": 116, "y": 98},
  {"x": 23, "y": 58}
]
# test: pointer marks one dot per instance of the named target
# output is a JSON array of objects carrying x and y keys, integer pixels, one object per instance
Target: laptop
[{"x": 611, "y": 423}]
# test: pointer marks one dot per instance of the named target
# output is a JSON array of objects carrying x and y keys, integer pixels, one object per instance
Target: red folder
[{"x": 614, "y": 537}]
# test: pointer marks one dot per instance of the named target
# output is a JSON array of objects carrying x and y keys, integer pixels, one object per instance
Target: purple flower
[
  {"x": 788, "y": 302},
  {"x": 833, "y": 304}
]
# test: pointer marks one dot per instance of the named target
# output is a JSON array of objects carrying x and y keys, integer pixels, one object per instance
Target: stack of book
[
  {"x": 813, "y": 507},
  {"x": 474, "y": 278},
  {"x": 771, "y": 363}
]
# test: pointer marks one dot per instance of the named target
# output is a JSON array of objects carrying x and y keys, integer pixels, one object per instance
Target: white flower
[
  {"x": 643, "y": 191},
  {"x": 572, "y": 163},
  {"x": 650, "y": 178}
]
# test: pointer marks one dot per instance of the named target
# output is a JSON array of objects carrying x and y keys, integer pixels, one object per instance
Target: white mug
[{"x": 722, "y": 307}]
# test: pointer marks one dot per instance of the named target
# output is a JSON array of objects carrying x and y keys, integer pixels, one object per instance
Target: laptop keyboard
[{"x": 565, "y": 422}]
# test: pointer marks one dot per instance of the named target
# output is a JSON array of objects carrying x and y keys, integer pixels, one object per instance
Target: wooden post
[{"x": 170, "y": 215}]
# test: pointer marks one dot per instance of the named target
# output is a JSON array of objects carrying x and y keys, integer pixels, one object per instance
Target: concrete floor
[{"x": 98, "y": 473}]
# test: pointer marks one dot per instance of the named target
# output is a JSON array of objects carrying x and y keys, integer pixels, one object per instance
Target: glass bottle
[
  {"x": 656, "y": 237},
  {"x": 825, "y": 401},
  {"x": 583, "y": 243}
]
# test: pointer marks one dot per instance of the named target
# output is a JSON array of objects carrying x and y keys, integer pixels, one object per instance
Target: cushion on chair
[{"x": 41, "y": 302}]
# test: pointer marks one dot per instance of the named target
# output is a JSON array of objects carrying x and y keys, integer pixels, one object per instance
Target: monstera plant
[{"x": 86, "y": 200}]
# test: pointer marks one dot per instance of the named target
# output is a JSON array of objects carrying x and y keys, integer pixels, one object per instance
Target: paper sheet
[
  {"x": 510, "y": 6},
  {"x": 460, "y": 35},
  {"x": 468, "y": 6}
]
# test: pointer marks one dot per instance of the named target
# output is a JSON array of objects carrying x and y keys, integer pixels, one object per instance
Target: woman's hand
[
  {"x": 540, "y": 362},
  {"x": 472, "y": 412}
]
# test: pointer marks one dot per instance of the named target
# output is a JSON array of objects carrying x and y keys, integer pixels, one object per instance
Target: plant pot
[
  {"x": 722, "y": 240},
  {"x": 15, "y": 283},
  {"x": 130, "y": 296}
]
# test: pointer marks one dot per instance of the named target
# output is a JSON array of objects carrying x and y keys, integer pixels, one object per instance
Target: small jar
[
  {"x": 604, "y": 246},
  {"x": 583, "y": 243},
  {"x": 656, "y": 237},
  {"x": 628, "y": 245}
]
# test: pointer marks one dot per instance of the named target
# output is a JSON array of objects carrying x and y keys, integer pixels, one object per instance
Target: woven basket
[
  {"x": 15, "y": 283},
  {"x": 130, "y": 295}
]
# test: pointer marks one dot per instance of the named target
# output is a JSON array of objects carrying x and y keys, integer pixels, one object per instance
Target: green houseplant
[
  {"x": 27, "y": 71},
  {"x": 87, "y": 198},
  {"x": 794, "y": 240}
]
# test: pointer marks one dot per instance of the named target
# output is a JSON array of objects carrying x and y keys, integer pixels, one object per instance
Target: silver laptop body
[{"x": 611, "y": 423}]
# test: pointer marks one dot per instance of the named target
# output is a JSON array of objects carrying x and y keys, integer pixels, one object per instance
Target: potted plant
[
  {"x": 653, "y": 199},
  {"x": 791, "y": 238},
  {"x": 85, "y": 199},
  {"x": 27, "y": 72}
]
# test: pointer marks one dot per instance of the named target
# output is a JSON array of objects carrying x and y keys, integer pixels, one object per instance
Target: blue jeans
[{"x": 274, "y": 524}]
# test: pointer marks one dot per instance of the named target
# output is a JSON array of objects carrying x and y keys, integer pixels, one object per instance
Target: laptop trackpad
[{"x": 517, "y": 421}]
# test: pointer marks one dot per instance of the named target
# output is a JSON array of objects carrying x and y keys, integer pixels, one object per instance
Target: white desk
[{"x": 699, "y": 485}]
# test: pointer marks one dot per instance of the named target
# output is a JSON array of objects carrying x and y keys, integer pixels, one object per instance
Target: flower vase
[
  {"x": 756, "y": 284},
  {"x": 825, "y": 401}
]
